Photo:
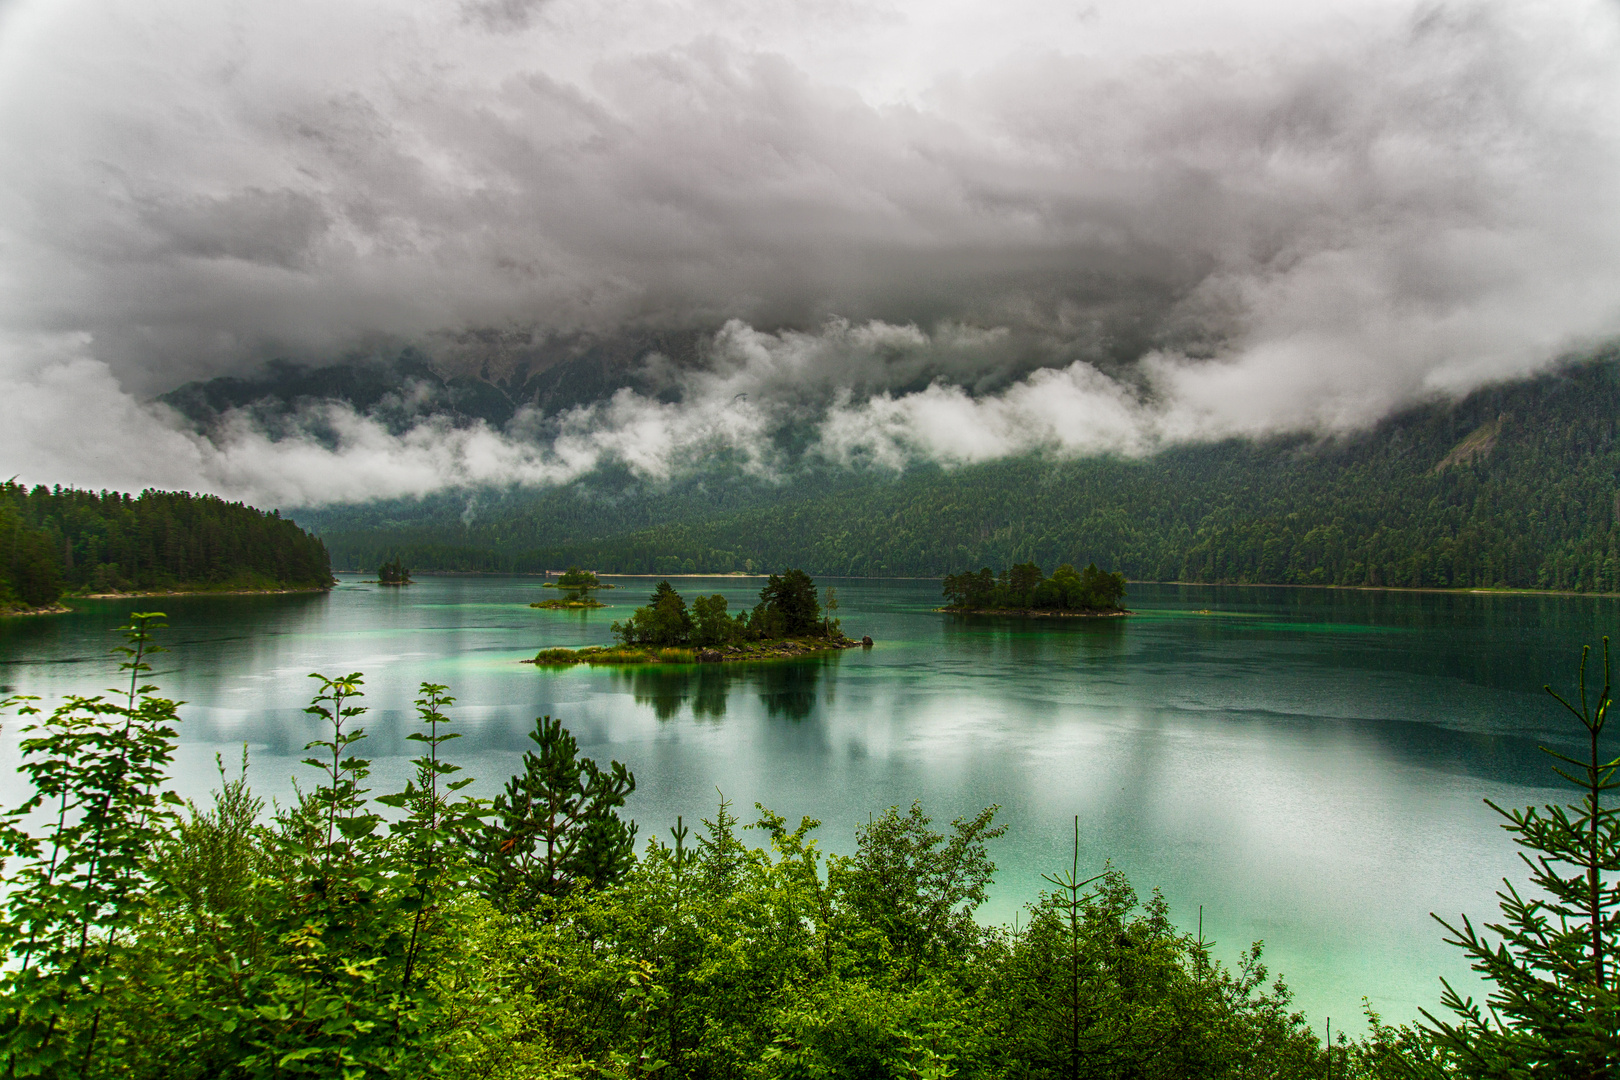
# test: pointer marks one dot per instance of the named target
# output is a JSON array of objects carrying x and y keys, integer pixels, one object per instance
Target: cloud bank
[{"x": 914, "y": 230}]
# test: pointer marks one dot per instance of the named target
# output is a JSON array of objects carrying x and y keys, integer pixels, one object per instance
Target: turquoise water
[{"x": 1306, "y": 765}]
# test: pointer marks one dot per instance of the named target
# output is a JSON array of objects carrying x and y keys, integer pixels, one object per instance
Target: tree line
[
  {"x": 64, "y": 540},
  {"x": 426, "y": 932},
  {"x": 1517, "y": 485}
]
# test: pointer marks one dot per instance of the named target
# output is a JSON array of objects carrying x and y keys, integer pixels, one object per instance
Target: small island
[
  {"x": 1025, "y": 590},
  {"x": 575, "y": 578},
  {"x": 789, "y": 621},
  {"x": 579, "y": 584},
  {"x": 394, "y": 573}
]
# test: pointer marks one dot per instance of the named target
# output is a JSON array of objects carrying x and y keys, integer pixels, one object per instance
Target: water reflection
[
  {"x": 1307, "y": 765},
  {"x": 788, "y": 689}
]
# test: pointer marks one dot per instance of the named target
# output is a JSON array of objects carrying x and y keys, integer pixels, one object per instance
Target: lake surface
[{"x": 1306, "y": 765}]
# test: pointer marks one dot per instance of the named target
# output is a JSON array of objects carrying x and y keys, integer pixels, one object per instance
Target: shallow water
[{"x": 1306, "y": 765}]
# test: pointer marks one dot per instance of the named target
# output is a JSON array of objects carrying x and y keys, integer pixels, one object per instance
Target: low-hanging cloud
[{"x": 911, "y": 233}]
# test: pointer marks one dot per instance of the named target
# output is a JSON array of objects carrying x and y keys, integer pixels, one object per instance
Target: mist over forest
[{"x": 579, "y": 237}]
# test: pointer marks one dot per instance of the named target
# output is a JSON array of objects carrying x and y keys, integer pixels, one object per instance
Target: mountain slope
[{"x": 1517, "y": 485}]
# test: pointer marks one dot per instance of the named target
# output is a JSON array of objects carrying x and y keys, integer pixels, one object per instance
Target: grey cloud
[
  {"x": 1298, "y": 232},
  {"x": 504, "y": 15},
  {"x": 277, "y": 228}
]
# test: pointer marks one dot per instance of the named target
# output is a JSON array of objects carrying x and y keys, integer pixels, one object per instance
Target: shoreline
[
  {"x": 61, "y": 606},
  {"x": 1471, "y": 590},
  {"x": 1037, "y": 613},
  {"x": 199, "y": 592},
  {"x": 631, "y": 656},
  {"x": 23, "y": 613}
]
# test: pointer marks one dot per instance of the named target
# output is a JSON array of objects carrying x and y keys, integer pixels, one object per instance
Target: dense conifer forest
[
  {"x": 62, "y": 540},
  {"x": 1516, "y": 486}
]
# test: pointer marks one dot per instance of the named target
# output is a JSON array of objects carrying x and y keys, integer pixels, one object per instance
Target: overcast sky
[{"x": 1092, "y": 226}]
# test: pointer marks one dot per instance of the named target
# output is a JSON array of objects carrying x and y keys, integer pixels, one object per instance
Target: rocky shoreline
[{"x": 54, "y": 609}]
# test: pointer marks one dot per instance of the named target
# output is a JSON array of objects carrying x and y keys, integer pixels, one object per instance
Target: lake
[{"x": 1307, "y": 766}]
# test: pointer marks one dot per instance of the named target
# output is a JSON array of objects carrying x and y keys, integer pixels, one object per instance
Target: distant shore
[
  {"x": 1036, "y": 613},
  {"x": 199, "y": 592},
  {"x": 1455, "y": 590},
  {"x": 1460, "y": 590}
]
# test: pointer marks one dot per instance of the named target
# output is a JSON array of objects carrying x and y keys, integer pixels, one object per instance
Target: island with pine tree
[
  {"x": 1025, "y": 590},
  {"x": 578, "y": 585},
  {"x": 790, "y": 620}
]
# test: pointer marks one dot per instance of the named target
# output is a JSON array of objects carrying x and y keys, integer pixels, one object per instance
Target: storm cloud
[{"x": 922, "y": 230}]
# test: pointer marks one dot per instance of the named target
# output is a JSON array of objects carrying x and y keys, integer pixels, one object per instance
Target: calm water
[{"x": 1306, "y": 765}]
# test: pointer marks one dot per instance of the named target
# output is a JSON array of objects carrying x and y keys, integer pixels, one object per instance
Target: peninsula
[{"x": 62, "y": 543}]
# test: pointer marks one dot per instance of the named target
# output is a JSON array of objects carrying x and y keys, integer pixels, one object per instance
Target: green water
[{"x": 1307, "y": 765}]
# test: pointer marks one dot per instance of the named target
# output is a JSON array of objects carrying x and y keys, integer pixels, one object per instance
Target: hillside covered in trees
[
  {"x": 62, "y": 540},
  {"x": 1517, "y": 485}
]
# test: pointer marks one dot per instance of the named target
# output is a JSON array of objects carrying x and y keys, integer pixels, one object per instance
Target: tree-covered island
[
  {"x": 394, "y": 572},
  {"x": 789, "y": 620},
  {"x": 578, "y": 585},
  {"x": 1025, "y": 590},
  {"x": 577, "y": 579}
]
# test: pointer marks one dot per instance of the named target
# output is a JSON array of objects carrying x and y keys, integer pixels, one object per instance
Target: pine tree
[
  {"x": 1552, "y": 1010},
  {"x": 556, "y": 826}
]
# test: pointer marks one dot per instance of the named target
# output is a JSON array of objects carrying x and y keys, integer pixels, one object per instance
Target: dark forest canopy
[
  {"x": 1025, "y": 588},
  {"x": 1516, "y": 486},
  {"x": 63, "y": 540}
]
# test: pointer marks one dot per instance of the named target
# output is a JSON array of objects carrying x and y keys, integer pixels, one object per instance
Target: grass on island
[
  {"x": 568, "y": 604},
  {"x": 614, "y": 654},
  {"x": 647, "y": 654}
]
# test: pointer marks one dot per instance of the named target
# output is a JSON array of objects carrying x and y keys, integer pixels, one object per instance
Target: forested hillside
[
  {"x": 1517, "y": 485},
  {"x": 56, "y": 540}
]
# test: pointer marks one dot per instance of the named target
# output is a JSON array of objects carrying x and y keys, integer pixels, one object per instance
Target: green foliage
[
  {"x": 712, "y": 625},
  {"x": 393, "y": 572},
  {"x": 60, "y": 539},
  {"x": 556, "y": 827},
  {"x": 787, "y": 607},
  {"x": 918, "y": 888},
  {"x": 575, "y": 578},
  {"x": 80, "y": 892},
  {"x": 1023, "y": 588},
  {"x": 1554, "y": 1005},
  {"x": 663, "y": 621}
]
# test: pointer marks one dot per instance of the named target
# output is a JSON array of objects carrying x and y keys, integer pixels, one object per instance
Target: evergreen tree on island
[
  {"x": 393, "y": 573},
  {"x": 1024, "y": 588},
  {"x": 788, "y": 608},
  {"x": 579, "y": 580}
]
